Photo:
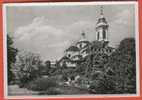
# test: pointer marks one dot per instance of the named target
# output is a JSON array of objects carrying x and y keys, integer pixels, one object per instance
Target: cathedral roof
[
  {"x": 83, "y": 41},
  {"x": 72, "y": 48},
  {"x": 65, "y": 58},
  {"x": 110, "y": 48}
]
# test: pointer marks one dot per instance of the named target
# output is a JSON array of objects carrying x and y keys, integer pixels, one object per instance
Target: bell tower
[{"x": 102, "y": 27}]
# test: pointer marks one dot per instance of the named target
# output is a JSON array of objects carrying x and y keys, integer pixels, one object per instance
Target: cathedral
[{"x": 76, "y": 53}]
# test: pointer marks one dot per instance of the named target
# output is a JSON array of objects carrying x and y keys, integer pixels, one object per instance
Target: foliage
[
  {"x": 101, "y": 84},
  {"x": 123, "y": 64},
  {"x": 51, "y": 91},
  {"x": 115, "y": 73},
  {"x": 11, "y": 57},
  {"x": 46, "y": 68},
  {"x": 28, "y": 65},
  {"x": 105, "y": 74},
  {"x": 42, "y": 84},
  {"x": 80, "y": 69}
]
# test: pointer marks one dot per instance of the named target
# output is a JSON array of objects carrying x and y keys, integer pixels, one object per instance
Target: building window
[
  {"x": 80, "y": 46},
  {"x": 107, "y": 50},
  {"x": 104, "y": 34},
  {"x": 103, "y": 50},
  {"x": 98, "y": 35},
  {"x": 99, "y": 49},
  {"x": 69, "y": 55},
  {"x": 91, "y": 48}
]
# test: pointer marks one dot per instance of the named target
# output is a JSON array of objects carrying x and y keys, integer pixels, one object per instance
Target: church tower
[{"x": 102, "y": 27}]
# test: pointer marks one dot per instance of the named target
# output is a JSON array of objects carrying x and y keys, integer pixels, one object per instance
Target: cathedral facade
[{"x": 76, "y": 53}]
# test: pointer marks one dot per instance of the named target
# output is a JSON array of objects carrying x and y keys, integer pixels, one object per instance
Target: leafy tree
[
  {"x": 80, "y": 69},
  {"x": 11, "y": 57},
  {"x": 28, "y": 64},
  {"x": 47, "y": 68},
  {"x": 101, "y": 84},
  {"x": 119, "y": 70},
  {"x": 123, "y": 64}
]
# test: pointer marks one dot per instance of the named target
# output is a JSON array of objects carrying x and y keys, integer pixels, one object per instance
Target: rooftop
[{"x": 72, "y": 48}]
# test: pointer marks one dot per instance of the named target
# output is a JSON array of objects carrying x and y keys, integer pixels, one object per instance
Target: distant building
[
  {"x": 73, "y": 53},
  {"x": 53, "y": 64},
  {"x": 76, "y": 53},
  {"x": 83, "y": 44}
]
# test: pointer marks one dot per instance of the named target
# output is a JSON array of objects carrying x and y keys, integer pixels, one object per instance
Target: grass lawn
[{"x": 60, "y": 90}]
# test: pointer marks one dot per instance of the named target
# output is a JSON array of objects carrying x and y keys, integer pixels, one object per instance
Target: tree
[
  {"x": 11, "y": 57},
  {"x": 47, "y": 67},
  {"x": 123, "y": 64},
  {"x": 101, "y": 84},
  {"x": 28, "y": 64}
]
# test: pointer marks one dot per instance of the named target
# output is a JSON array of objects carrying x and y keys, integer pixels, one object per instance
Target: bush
[
  {"x": 102, "y": 84},
  {"x": 23, "y": 81},
  {"x": 50, "y": 91},
  {"x": 42, "y": 84}
]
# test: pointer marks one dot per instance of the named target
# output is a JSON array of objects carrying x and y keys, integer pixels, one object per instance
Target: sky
[{"x": 49, "y": 30}]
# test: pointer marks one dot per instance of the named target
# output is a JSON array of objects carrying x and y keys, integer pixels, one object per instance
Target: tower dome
[
  {"x": 83, "y": 42},
  {"x": 102, "y": 27},
  {"x": 83, "y": 37}
]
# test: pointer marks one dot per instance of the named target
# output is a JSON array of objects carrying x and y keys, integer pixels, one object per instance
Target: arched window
[
  {"x": 98, "y": 35},
  {"x": 104, "y": 34}
]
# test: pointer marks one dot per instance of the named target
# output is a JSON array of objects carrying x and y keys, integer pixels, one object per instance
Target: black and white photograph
[{"x": 71, "y": 49}]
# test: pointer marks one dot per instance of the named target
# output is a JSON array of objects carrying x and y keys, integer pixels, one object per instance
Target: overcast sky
[{"x": 49, "y": 30}]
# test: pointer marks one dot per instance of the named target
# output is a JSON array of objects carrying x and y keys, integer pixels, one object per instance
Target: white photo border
[{"x": 71, "y": 96}]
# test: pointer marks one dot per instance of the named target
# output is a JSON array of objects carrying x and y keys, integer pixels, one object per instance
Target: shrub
[
  {"x": 102, "y": 84},
  {"x": 42, "y": 84},
  {"x": 50, "y": 91}
]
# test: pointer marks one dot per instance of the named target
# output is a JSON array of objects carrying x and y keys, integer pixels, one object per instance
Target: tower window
[
  {"x": 98, "y": 36},
  {"x": 104, "y": 34}
]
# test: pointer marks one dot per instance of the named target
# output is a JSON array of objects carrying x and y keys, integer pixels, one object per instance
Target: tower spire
[
  {"x": 101, "y": 10},
  {"x": 102, "y": 27}
]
